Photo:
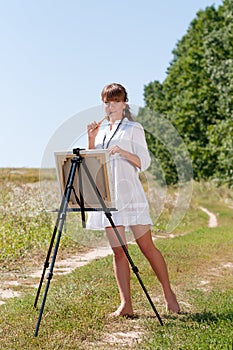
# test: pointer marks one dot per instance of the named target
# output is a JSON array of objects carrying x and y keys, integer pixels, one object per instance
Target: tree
[{"x": 197, "y": 94}]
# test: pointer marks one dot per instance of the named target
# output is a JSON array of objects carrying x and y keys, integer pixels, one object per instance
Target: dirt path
[
  {"x": 62, "y": 267},
  {"x": 12, "y": 281},
  {"x": 212, "y": 217}
]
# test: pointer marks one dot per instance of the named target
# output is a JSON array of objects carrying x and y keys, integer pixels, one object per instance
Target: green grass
[
  {"x": 76, "y": 314},
  {"x": 209, "y": 326},
  {"x": 78, "y": 305}
]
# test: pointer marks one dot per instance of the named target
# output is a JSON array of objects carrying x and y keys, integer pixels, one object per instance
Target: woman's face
[{"x": 114, "y": 109}]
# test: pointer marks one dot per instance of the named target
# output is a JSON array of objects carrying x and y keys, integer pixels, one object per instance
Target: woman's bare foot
[
  {"x": 123, "y": 311},
  {"x": 172, "y": 304}
]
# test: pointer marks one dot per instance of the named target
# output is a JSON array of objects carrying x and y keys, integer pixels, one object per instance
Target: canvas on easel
[{"x": 98, "y": 164}]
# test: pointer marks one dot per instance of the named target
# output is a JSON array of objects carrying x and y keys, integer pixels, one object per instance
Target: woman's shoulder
[{"x": 133, "y": 124}]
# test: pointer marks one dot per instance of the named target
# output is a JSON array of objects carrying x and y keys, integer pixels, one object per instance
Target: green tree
[{"x": 197, "y": 94}]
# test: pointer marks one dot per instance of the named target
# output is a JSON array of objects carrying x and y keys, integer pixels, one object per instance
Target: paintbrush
[{"x": 101, "y": 121}]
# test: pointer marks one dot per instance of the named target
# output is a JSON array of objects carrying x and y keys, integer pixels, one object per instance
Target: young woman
[{"x": 125, "y": 140}]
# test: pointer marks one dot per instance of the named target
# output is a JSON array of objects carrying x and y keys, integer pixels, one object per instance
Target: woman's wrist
[{"x": 91, "y": 142}]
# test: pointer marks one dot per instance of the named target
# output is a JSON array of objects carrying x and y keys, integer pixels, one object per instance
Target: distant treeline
[{"x": 197, "y": 99}]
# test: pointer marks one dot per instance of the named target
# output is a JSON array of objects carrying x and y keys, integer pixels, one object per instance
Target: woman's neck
[{"x": 114, "y": 119}]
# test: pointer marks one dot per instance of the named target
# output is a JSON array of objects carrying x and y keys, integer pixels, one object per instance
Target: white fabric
[{"x": 131, "y": 203}]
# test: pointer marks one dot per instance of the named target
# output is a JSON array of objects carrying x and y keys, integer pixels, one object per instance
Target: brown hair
[{"x": 117, "y": 92}]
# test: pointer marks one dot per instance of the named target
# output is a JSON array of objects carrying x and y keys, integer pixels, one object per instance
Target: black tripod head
[{"x": 76, "y": 151}]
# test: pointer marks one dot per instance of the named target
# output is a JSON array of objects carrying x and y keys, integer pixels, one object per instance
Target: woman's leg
[
  {"x": 157, "y": 263},
  {"x": 122, "y": 271}
]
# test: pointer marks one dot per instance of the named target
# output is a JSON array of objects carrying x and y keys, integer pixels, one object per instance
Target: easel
[{"x": 76, "y": 163}]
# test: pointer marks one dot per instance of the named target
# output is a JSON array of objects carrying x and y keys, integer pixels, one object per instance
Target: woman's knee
[
  {"x": 119, "y": 253},
  {"x": 146, "y": 245}
]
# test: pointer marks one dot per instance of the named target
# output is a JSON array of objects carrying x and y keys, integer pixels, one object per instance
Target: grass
[
  {"x": 77, "y": 306},
  {"x": 26, "y": 175}
]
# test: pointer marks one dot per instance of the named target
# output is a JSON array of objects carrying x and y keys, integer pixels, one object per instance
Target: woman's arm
[
  {"x": 131, "y": 157},
  {"x": 92, "y": 130}
]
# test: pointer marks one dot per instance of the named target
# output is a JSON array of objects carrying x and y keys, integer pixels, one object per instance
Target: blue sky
[{"x": 56, "y": 56}]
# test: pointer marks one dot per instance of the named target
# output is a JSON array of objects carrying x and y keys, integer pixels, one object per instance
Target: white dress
[{"x": 130, "y": 199}]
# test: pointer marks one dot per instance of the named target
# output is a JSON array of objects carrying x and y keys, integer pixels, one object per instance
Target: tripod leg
[
  {"x": 60, "y": 220},
  {"x": 81, "y": 195},
  {"x": 46, "y": 263},
  {"x": 50, "y": 274}
]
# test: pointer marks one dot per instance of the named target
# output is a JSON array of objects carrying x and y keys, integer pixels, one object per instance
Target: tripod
[{"x": 76, "y": 163}]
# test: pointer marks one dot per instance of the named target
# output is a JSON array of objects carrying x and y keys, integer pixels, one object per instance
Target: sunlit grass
[{"x": 78, "y": 305}]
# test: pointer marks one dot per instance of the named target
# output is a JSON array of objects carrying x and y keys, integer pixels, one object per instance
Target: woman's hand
[
  {"x": 115, "y": 149},
  {"x": 132, "y": 158},
  {"x": 92, "y": 130}
]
